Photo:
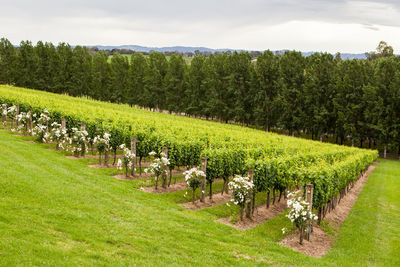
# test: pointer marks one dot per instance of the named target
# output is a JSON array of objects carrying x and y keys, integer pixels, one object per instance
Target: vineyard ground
[
  {"x": 261, "y": 215},
  {"x": 321, "y": 242},
  {"x": 57, "y": 211}
]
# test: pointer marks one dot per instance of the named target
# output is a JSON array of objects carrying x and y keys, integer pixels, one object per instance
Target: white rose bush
[
  {"x": 194, "y": 178},
  {"x": 159, "y": 168},
  {"x": 41, "y": 130},
  {"x": 242, "y": 188},
  {"x": 58, "y": 135},
  {"x": 127, "y": 160},
  {"x": 23, "y": 120},
  {"x": 12, "y": 113},
  {"x": 299, "y": 213},
  {"x": 102, "y": 144},
  {"x": 77, "y": 143}
]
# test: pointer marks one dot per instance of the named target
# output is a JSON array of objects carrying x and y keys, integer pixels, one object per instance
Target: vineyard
[
  {"x": 239, "y": 133},
  {"x": 252, "y": 168},
  {"x": 280, "y": 163}
]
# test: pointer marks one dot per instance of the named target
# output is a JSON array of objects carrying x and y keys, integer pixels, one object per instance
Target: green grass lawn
[{"x": 58, "y": 211}]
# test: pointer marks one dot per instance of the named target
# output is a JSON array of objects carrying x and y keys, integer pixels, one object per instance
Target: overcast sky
[{"x": 306, "y": 25}]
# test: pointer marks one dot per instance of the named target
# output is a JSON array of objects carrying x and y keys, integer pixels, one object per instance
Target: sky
[{"x": 307, "y": 25}]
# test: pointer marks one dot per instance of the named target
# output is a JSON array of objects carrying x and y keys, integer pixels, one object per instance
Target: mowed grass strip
[
  {"x": 58, "y": 211},
  {"x": 370, "y": 234}
]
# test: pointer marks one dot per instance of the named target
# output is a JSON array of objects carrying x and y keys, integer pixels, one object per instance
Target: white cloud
[
  {"x": 327, "y": 25},
  {"x": 317, "y": 36}
]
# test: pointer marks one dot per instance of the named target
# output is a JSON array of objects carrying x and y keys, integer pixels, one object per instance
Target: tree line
[{"x": 320, "y": 96}]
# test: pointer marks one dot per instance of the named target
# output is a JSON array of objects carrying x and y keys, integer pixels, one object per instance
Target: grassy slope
[
  {"x": 57, "y": 211},
  {"x": 371, "y": 235}
]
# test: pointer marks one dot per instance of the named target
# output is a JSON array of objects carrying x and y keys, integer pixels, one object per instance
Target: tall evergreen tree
[
  {"x": 46, "y": 72},
  {"x": 8, "y": 62},
  {"x": 101, "y": 77},
  {"x": 27, "y": 65},
  {"x": 119, "y": 78},
  {"x": 241, "y": 74},
  {"x": 81, "y": 72},
  {"x": 196, "y": 93},
  {"x": 155, "y": 87},
  {"x": 319, "y": 92},
  {"x": 221, "y": 99},
  {"x": 291, "y": 69},
  {"x": 175, "y": 83},
  {"x": 65, "y": 68},
  {"x": 350, "y": 79},
  {"x": 266, "y": 95},
  {"x": 137, "y": 77},
  {"x": 381, "y": 102}
]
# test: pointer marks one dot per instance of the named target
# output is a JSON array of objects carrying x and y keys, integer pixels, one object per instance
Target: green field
[{"x": 57, "y": 211}]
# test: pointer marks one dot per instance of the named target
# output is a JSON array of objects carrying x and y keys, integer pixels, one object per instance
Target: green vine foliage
[{"x": 279, "y": 162}]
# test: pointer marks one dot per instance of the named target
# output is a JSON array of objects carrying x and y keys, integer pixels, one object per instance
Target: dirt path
[
  {"x": 217, "y": 199},
  {"x": 320, "y": 242},
  {"x": 160, "y": 190},
  {"x": 90, "y": 156},
  {"x": 261, "y": 215},
  {"x": 130, "y": 177},
  {"x": 339, "y": 214},
  {"x": 318, "y": 245}
]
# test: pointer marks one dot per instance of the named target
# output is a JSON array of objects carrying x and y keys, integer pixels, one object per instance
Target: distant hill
[
  {"x": 180, "y": 49},
  {"x": 192, "y": 49},
  {"x": 343, "y": 56}
]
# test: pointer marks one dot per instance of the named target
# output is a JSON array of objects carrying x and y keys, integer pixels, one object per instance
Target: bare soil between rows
[
  {"x": 178, "y": 186},
  {"x": 320, "y": 243},
  {"x": 217, "y": 199},
  {"x": 75, "y": 157},
  {"x": 130, "y": 177},
  {"x": 89, "y": 156},
  {"x": 261, "y": 215},
  {"x": 174, "y": 187},
  {"x": 20, "y": 135},
  {"x": 110, "y": 159},
  {"x": 98, "y": 166}
]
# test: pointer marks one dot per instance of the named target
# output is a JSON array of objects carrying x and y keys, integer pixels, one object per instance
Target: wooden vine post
[
  {"x": 27, "y": 123},
  {"x": 165, "y": 151},
  {"x": 249, "y": 204},
  {"x": 203, "y": 181},
  {"x": 309, "y": 199},
  {"x": 106, "y": 151},
  {"x": 253, "y": 192},
  {"x": 63, "y": 124},
  {"x": 133, "y": 150},
  {"x": 100, "y": 160},
  {"x": 83, "y": 147},
  {"x": 164, "y": 175}
]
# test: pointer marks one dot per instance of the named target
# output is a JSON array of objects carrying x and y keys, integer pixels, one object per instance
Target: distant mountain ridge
[
  {"x": 192, "y": 49},
  {"x": 180, "y": 49}
]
